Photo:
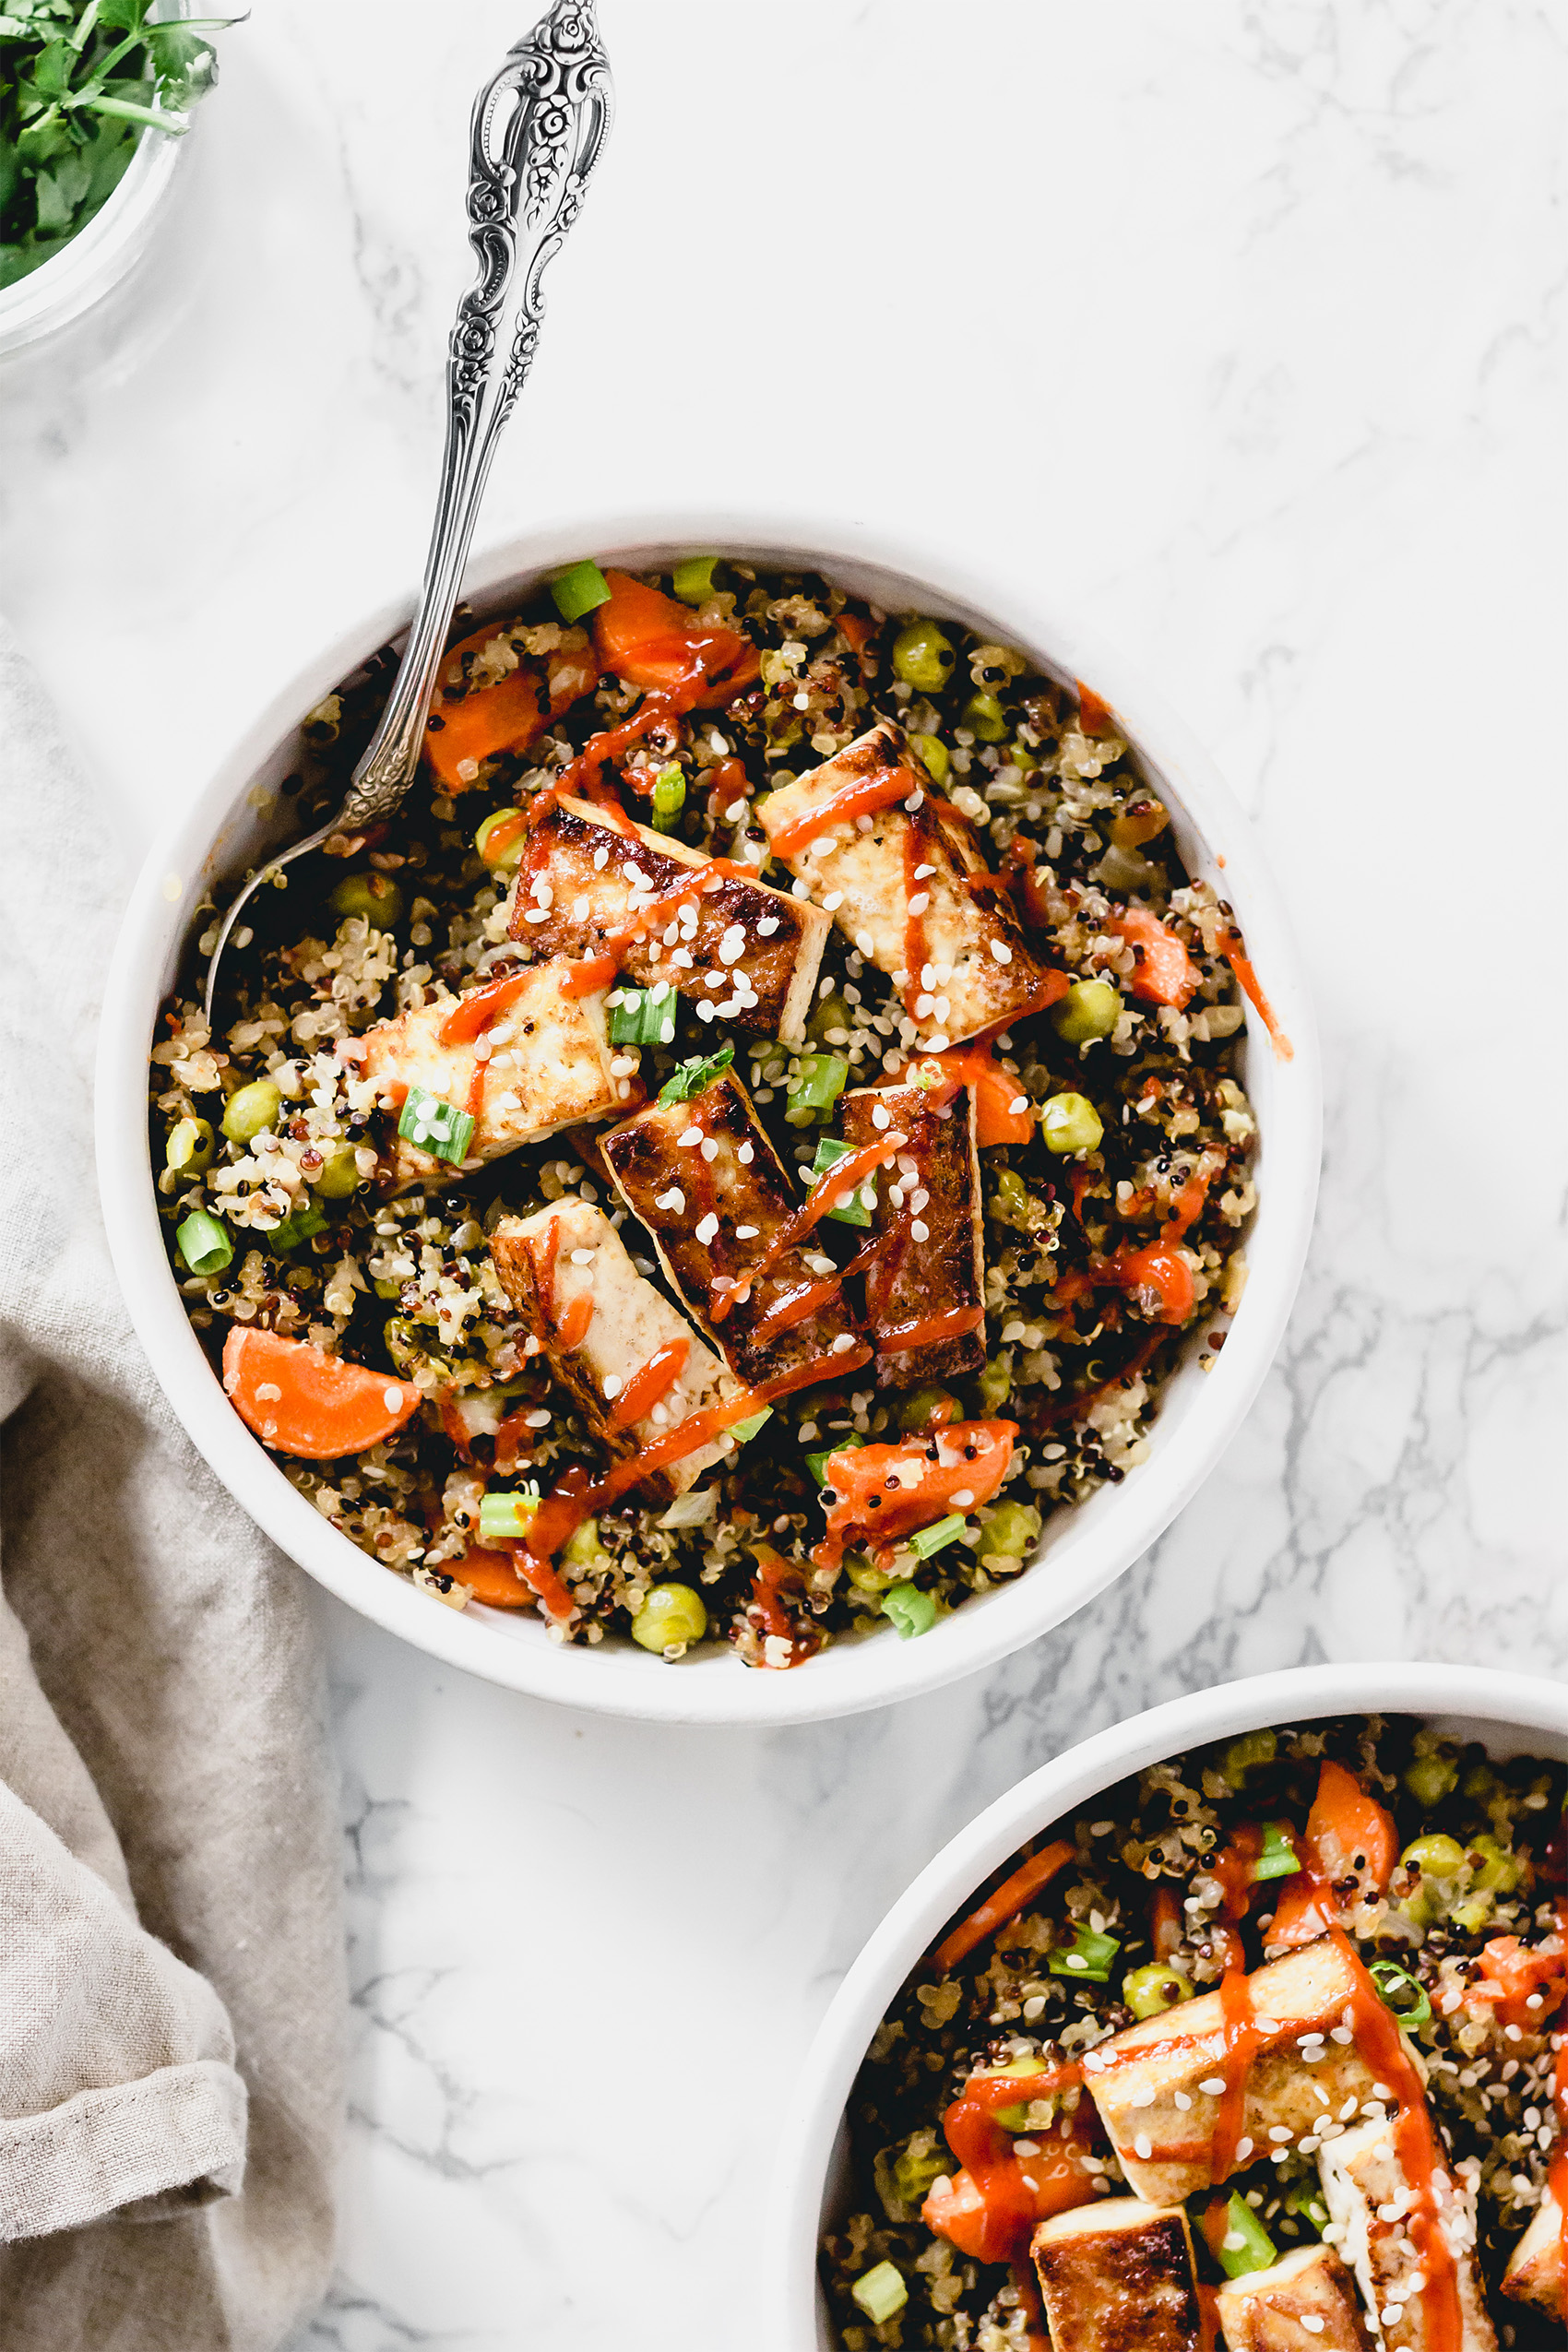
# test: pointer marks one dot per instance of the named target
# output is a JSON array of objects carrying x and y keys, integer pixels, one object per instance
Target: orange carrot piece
[
  {"x": 1349, "y": 1835},
  {"x": 1095, "y": 714},
  {"x": 301, "y": 1401},
  {"x": 1005, "y": 1904},
  {"x": 491, "y": 1578},
  {"x": 1163, "y": 972},
  {"x": 503, "y": 718},
  {"x": 650, "y": 641}
]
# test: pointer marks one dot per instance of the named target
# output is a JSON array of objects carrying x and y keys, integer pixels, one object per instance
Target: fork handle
[{"x": 539, "y": 127}]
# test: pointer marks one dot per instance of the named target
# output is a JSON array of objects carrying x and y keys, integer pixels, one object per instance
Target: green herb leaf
[{"x": 693, "y": 1077}]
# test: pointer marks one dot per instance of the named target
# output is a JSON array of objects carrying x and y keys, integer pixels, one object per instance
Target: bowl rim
[
  {"x": 720, "y": 1692},
  {"x": 1533, "y": 1705}
]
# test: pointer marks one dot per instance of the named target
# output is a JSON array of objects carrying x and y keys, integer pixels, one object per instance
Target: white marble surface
[{"x": 1247, "y": 316}]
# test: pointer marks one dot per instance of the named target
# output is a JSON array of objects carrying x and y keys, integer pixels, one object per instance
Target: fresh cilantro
[
  {"x": 691, "y": 1077},
  {"x": 80, "y": 81}
]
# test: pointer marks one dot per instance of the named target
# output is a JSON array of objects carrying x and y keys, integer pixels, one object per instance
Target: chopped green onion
[
  {"x": 1243, "y": 2244},
  {"x": 817, "y": 1463},
  {"x": 438, "y": 1127},
  {"x": 1391, "y": 1979},
  {"x": 1088, "y": 1955},
  {"x": 505, "y": 1518},
  {"x": 912, "y": 1611},
  {"x": 1252, "y": 1747},
  {"x": 816, "y": 1086},
  {"x": 669, "y": 797},
  {"x": 880, "y": 2292},
  {"x": 743, "y": 1431},
  {"x": 1278, "y": 1858},
  {"x": 203, "y": 1242},
  {"x": 297, "y": 1226},
  {"x": 829, "y": 1152},
  {"x": 931, "y": 1539},
  {"x": 693, "y": 1077},
  {"x": 1309, "y": 2207},
  {"x": 1013, "y": 2119},
  {"x": 578, "y": 590},
  {"x": 643, "y": 1015},
  {"x": 693, "y": 580}
]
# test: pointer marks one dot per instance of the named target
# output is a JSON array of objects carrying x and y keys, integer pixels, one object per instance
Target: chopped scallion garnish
[
  {"x": 691, "y": 1077},
  {"x": 829, "y": 1152},
  {"x": 204, "y": 1243},
  {"x": 579, "y": 590},
  {"x": 438, "y": 1127},
  {"x": 1237, "y": 2238},
  {"x": 912, "y": 1611},
  {"x": 297, "y": 1226},
  {"x": 933, "y": 1538},
  {"x": 506, "y": 1518},
  {"x": 1395, "y": 1985},
  {"x": 743, "y": 1431},
  {"x": 880, "y": 2292},
  {"x": 669, "y": 798},
  {"x": 643, "y": 1015},
  {"x": 693, "y": 580},
  {"x": 816, "y": 1085},
  {"x": 1278, "y": 1858},
  {"x": 1088, "y": 1956}
]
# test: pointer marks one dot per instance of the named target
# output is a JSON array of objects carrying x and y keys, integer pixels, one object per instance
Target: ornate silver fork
[{"x": 539, "y": 127}]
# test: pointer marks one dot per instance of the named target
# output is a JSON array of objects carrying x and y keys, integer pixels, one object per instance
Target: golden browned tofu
[
  {"x": 925, "y": 1291},
  {"x": 1118, "y": 2276},
  {"x": 906, "y": 882},
  {"x": 567, "y": 1271},
  {"x": 1158, "y": 2086},
  {"x": 1535, "y": 2267},
  {"x": 748, "y": 952},
  {"x": 1307, "y": 2303},
  {"x": 1367, "y": 2197},
  {"x": 545, "y": 1064},
  {"x": 704, "y": 1180}
]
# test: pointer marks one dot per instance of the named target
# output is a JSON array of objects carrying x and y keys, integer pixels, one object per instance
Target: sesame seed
[
  {"x": 390, "y": 1396},
  {"x": 746, "y": 1155},
  {"x": 692, "y": 1136},
  {"x": 1019, "y": 1103},
  {"x": 768, "y": 926},
  {"x": 709, "y": 1148},
  {"x": 612, "y": 1383},
  {"x": 1001, "y": 950},
  {"x": 736, "y": 810},
  {"x": 674, "y": 1198},
  {"x": 746, "y": 1232},
  {"x": 582, "y": 1257},
  {"x": 1143, "y": 2146},
  {"x": 880, "y": 1115},
  {"x": 708, "y": 1230},
  {"x": 580, "y": 909},
  {"x": 920, "y": 1231},
  {"x": 538, "y": 1419},
  {"x": 842, "y": 1344},
  {"x": 833, "y": 901},
  {"x": 920, "y": 902},
  {"x": 705, "y": 1008},
  {"x": 964, "y": 1501},
  {"x": 600, "y": 860},
  {"x": 922, "y": 871}
]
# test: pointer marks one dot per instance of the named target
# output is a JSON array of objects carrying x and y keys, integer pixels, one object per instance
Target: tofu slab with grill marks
[
  {"x": 932, "y": 1265},
  {"x": 1159, "y": 2085},
  {"x": 763, "y": 946},
  {"x": 712, "y": 1217},
  {"x": 547, "y": 1066},
  {"x": 1309, "y": 2302},
  {"x": 873, "y": 867},
  {"x": 1534, "y": 2272},
  {"x": 569, "y": 1252},
  {"x": 1118, "y": 2276},
  {"x": 1368, "y": 2195}
]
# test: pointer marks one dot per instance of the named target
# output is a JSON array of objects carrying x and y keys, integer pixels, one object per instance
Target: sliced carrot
[
  {"x": 1163, "y": 971},
  {"x": 995, "y": 1093},
  {"x": 300, "y": 1400},
  {"x": 1348, "y": 1838},
  {"x": 491, "y": 1578},
  {"x": 652, "y": 642},
  {"x": 1095, "y": 714},
  {"x": 474, "y": 727},
  {"x": 856, "y": 631},
  {"x": 1002, "y": 1904},
  {"x": 1514, "y": 1975},
  {"x": 886, "y": 1492}
]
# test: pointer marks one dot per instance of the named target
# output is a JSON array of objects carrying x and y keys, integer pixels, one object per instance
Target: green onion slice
[
  {"x": 817, "y": 1463},
  {"x": 912, "y": 1611},
  {"x": 579, "y": 590},
  {"x": 743, "y": 1431},
  {"x": 931, "y": 1538},
  {"x": 643, "y": 1015},
  {"x": 880, "y": 2292},
  {"x": 202, "y": 1244},
  {"x": 818, "y": 1083},
  {"x": 693, "y": 580},
  {"x": 1278, "y": 1858},
  {"x": 829, "y": 1152},
  {"x": 693, "y": 1077},
  {"x": 1392, "y": 1982},
  {"x": 669, "y": 798},
  {"x": 1088, "y": 1955},
  {"x": 505, "y": 1518},
  {"x": 438, "y": 1127},
  {"x": 297, "y": 1226}
]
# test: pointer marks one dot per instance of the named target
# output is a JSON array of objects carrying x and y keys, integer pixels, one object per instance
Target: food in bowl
[
  {"x": 1268, "y": 2046},
  {"x": 744, "y": 1145}
]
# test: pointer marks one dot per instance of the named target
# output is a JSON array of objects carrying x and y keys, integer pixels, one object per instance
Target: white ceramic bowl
[
  {"x": 1082, "y": 1549},
  {"x": 1510, "y": 1713}
]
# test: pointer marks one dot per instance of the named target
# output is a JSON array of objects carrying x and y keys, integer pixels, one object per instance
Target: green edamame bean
[
  {"x": 670, "y": 1615},
  {"x": 251, "y": 1110},
  {"x": 1153, "y": 1988},
  {"x": 934, "y": 753},
  {"x": 189, "y": 1149},
  {"x": 922, "y": 656},
  {"x": 583, "y": 1548},
  {"x": 995, "y": 1383},
  {"x": 1430, "y": 1778},
  {"x": 1436, "y": 1860},
  {"x": 984, "y": 718},
  {"x": 507, "y": 853},
  {"x": 340, "y": 1174},
  {"x": 1009, "y": 1532},
  {"x": 927, "y": 1408},
  {"x": 1251, "y": 1749},
  {"x": 1090, "y": 1009},
  {"x": 1069, "y": 1123},
  {"x": 372, "y": 896}
]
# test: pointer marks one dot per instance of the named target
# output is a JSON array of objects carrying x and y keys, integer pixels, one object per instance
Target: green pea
[
  {"x": 1242, "y": 1755},
  {"x": 922, "y": 656},
  {"x": 1090, "y": 1009},
  {"x": 1021, "y": 757},
  {"x": 340, "y": 1174},
  {"x": 1009, "y": 1532},
  {"x": 929, "y": 1408},
  {"x": 251, "y": 1110},
  {"x": 1430, "y": 1778},
  {"x": 1435, "y": 1859},
  {"x": 1069, "y": 1124},
  {"x": 1012, "y": 1204},
  {"x": 828, "y": 1013},
  {"x": 508, "y": 855},
  {"x": 670, "y": 1616},
  {"x": 1153, "y": 1988},
  {"x": 189, "y": 1149},
  {"x": 1013, "y": 2119},
  {"x": 1499, "y": 1870},
  {"x": 370, "y": 895},
  {"x": 933, "y": 751},
  {"x": 995, "y": 1383},
  {"x": 984, "y": 717},
  {"x": 583, "y": 1548},
  {"x": 866, "y": 1576}
]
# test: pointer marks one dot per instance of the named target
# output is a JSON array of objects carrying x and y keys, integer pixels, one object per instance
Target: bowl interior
[
  {"x": 245, "y": 813},
  {"x": 1508, "y": 1715}
]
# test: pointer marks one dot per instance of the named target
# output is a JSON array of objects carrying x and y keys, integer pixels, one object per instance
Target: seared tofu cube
[
  {"x": 600, "y": 1323},
  {"x": 1307, "y": 2303},
  {"x": 1367, "y": 2197},
  {"x": 544, "y": 1059},
  {"x": 925, "y": 1292},
  {"x": 1535, "y": 2267},
  {"x": 906, "y": 882},
  {"x": 1117, "y": 2276},
  {"x": 1158, "y": 2086},
  {"x": 707, "y": 1183},
  {"x": 749, "y": 952}
]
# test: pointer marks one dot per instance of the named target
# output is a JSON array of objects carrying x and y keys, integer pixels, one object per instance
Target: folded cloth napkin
[{"x": 172, "y": 1997}]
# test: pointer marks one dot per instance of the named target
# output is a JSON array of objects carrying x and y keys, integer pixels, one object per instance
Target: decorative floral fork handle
[{"x": 539, "y": 127}]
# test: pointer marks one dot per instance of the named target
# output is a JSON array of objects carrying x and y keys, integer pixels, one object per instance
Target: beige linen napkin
[{"x": 172, "y": 1997}]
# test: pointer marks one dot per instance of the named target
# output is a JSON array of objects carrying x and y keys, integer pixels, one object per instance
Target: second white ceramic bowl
[
  {"x": 1508, "y": 1714},
  {"x": 238, "y": 816}
]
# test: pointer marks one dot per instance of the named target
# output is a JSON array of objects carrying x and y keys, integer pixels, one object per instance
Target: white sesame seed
[
  {"x": 963, "y": 1500},
  {"x": 833, "y": 901},
  {"x": 622, "y": 1065},
  {"x": 391, "y": 1398},
  {"x": 538, "y": 1419},
  {"x": 732, "y": 947},
  {"x": 692, "y": 1136},
  {"x": 842, "y": 1344},
  {"x": 1279, "y": 2133},
  {"x": 880, "y": 1115},
  {"x": 1183, "y": 2101},
  {"x": 768, "y": 926},
  {"x": 580, "y": 909},
  {"x": 674, "y": 1198},
  {"x": 920, "y": 902},
  {"x": 1143, "y": 2146},
  {"x": 921, "y": 1007},
  {"x": 709, "y": 1148},
  {"x": 614, "y": 1384},
  {"x": 746, "y": 1232},
  {"x": 1243, "y": 2150},
  {"x": 705, "y": 1008},
  {"x": 938, "y": 1041},
  {"x": 1313, "y": 2322},
  {"x": 746, "y": 1155},
  {"x": 1142, "y": 2097},
  {"x": 736, "y": 810},
  {"x": 582, "y": 1257},
  {"x": 600, "y": 860},
  {"x": 918, "y": 1200},
  {"x": 921, "y": 873},
  {"x": 919, "y": 1232},
  {"x": 1020, "y": 1102},
  {"x": 535, "y": 914},
  {"x": 708, "y": 1230}
]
